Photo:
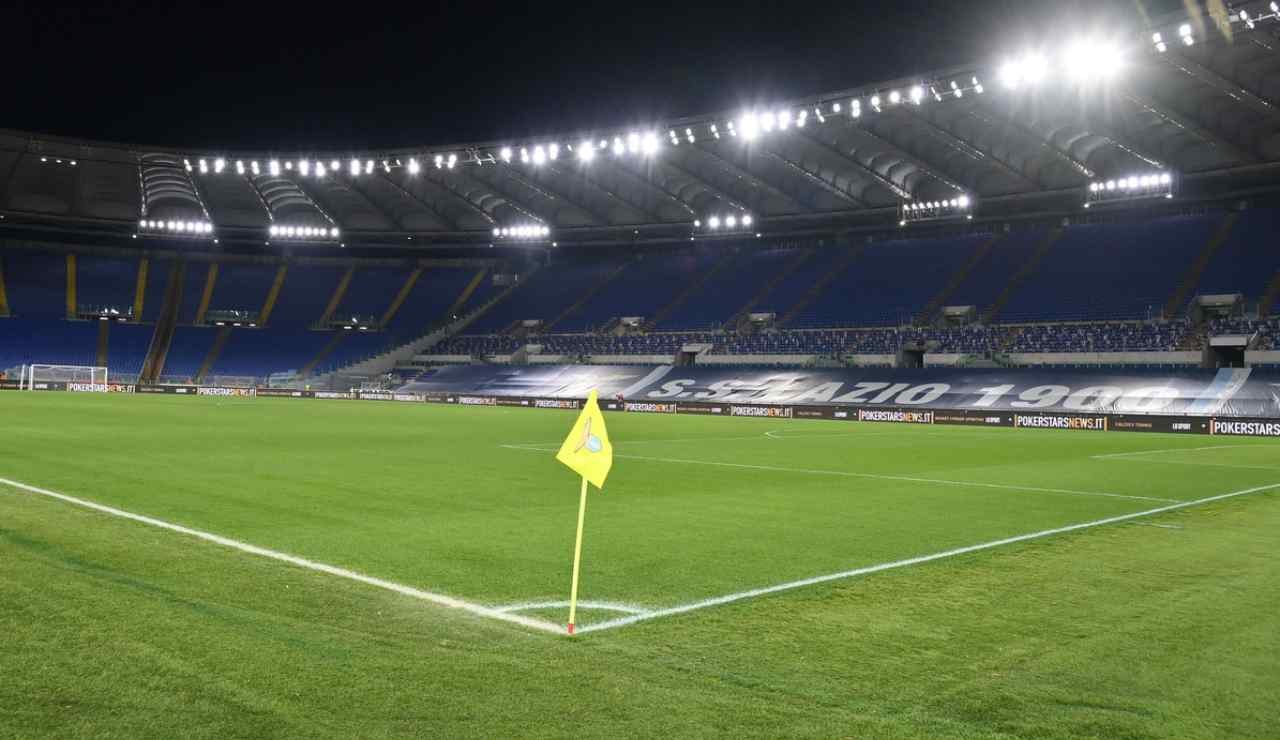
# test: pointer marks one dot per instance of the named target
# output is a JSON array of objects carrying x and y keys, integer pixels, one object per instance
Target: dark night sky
[{"x": 270, "y": 75}]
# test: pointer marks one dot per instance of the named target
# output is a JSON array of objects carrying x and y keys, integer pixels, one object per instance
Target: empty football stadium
[{"x": 944, "y": 405}]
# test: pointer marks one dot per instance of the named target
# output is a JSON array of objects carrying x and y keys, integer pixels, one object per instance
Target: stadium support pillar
[
  {"x": 692, "y": 288},
  {"x": 104, "y": 331},
  {"x": 400, "y": 298},
  {"x": 72, "y": 309},
  {"x": 272, "y": 295},
  {"x": 219, "y": 342},
  {"x": 162, "y": 337},
  {"x": 4, "y": 296},
  {"x": 324, "y": 352},
  {"x": 336, "y": 298},
  {"x": 140, "y": 288},
  {"x": 209, "y": 281}
]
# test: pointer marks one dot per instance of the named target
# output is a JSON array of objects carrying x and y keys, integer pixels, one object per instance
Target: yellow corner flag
[
  {"x": 588, "y": 453},
  {"x": 587, "y": 450}
]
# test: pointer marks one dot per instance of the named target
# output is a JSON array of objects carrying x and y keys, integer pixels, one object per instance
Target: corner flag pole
[{"x": 577, "y": 557}]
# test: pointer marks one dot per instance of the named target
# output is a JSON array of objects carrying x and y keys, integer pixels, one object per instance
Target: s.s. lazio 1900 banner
[{"x": 1219, "y": 393}]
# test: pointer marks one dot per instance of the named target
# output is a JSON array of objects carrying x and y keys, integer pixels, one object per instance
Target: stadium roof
[{"x": 1199, "y": 99}]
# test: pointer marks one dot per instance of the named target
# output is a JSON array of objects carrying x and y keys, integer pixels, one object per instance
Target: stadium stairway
[
  {"x": 211, "y": 279},
  {"x": 741, "y": 314},
  {"x": 1028, "y": 268},
  {"x": 166, "y": 324},
  {"x": 1192, "y": 277},
  {"x": 324, "y": 352},
  {"x": 590, "y": 293},
  {"x": 691, "y": 289},
  {"x": 336, "y": 298},
  {"x": 401, "y": 296},
  {"x": 962, "y": 274},
  {"x": 219, "y": 342},
  {"x": 810, "y": 295},
  {"x": 1269, "y": 298},
  {"x": 4, "y": 295},
  {"x": 273, "y": 294}
]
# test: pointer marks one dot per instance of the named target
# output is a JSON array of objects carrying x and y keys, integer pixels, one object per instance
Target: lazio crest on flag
[{"x": 587, "y": 450}]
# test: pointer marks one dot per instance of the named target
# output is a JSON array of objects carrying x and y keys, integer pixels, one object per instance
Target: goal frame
[{"x": 27, "y": 376}]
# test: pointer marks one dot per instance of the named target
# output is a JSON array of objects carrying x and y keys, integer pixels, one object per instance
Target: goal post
[{"x": 84, "y": 377}]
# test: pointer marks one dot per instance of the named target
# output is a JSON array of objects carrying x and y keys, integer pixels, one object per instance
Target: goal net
[{"x": 76, "y": 377}]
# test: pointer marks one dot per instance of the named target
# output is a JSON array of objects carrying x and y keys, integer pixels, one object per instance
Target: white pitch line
[
  {"x": 1167, "y": 449},
  {"x": 753, "y": 593},
  {"x": 434, "y": 598},
  {"x": 1194, "y": 464},
  {"x": 607, "y": 606},
  {"x": 876, "y": 476}
]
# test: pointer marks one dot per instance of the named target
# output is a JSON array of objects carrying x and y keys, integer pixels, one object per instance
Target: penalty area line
[
  {"x": 333, "y": 570},
  {"x": 791, "y": 585}
]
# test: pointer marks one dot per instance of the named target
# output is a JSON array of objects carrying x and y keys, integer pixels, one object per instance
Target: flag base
[{"x": 571, "y": 629}]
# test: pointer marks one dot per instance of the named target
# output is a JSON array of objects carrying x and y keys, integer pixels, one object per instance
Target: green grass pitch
[{"x": 1155, "y": 626}]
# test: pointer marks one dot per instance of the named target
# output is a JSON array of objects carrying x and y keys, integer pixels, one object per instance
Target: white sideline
[
  {"x": 434, "y": 598},
  {"x": 742, "y": 595},
  {"x": 873, "y": 476},
  {"x": 606, "y": 606},
  {"x": 1166, "y": 449}
]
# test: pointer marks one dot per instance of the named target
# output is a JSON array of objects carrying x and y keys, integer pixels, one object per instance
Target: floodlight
[
  {"x": 334, "y": 232},
  {"x": 784, "y": 119},
  {"x": 355, "y": 167},
  {"x": 875, "y": 102},
  {"x": 1184, "y": 29},
  {"x": 1111, "y": 185},
  {"x": 688, "y": 133},
  {"x": 219, "y": 165},
  {"x": 802, "y": 118},
  {"x": 746, "y": 219},
  {"x": 633, "y": 142},
  {"x": 368, "y": 167},
  {"x": 187, "y": 162},
  {"x": 835, "y": 107},
  {"x": 524, "y": 155},
  {"x": 414, "y": 167},
  {"x": 1166, "y": 178},
  {"x": 917, "y": 94},
  {"x": 539, "y": 155},
  {"x": 713, "y": 222},
  {"x": 895, "y": 97},
  {"x": 750, "y": 125},
  {"x": 964, "y": 201},
  {"x": 586, "y": 151},
  {"x": 649, "y": 144},
  {"x": 697, "y": 224},
  {"x": 239, "y": 167},
  {"x": 386, "y": 166},
  {"x": 439, "y": 160},
  {"x": 451, "y": 161},
  {"x": 288, "y": 165},
  {"x": 618, "y": 147},
  {"x": 766, "y": 121},
  {"x": 254, "y": 166},
  {"x": 731, "y": 222},
  {"x": 334, "y": 165},
  {"x": 319, "y": 169},
  {"x": 204, "y": 167},
  {"x": 1156, "y": 38},
  {"x": 855, "y": 107},
  {"x": 553, "y": 151},
  {"x": 505, "y": 154}
]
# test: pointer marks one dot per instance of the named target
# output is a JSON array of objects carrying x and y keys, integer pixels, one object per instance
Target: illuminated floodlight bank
[
  {"x": 1137, "y": 186},
  {"x": 303, "y": 233},
  {"x": 523, "y": 232},
  {"x": 725, "y": 223},
  {"x": 956, "y": 207},
  {"x": 179, "y": 227}
]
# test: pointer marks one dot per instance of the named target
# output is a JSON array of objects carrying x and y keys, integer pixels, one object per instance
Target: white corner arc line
[
  {"x": 333, "y": 570},
  {"x": 790, "y": 585},
  {"x": 877, "y": 476}
]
